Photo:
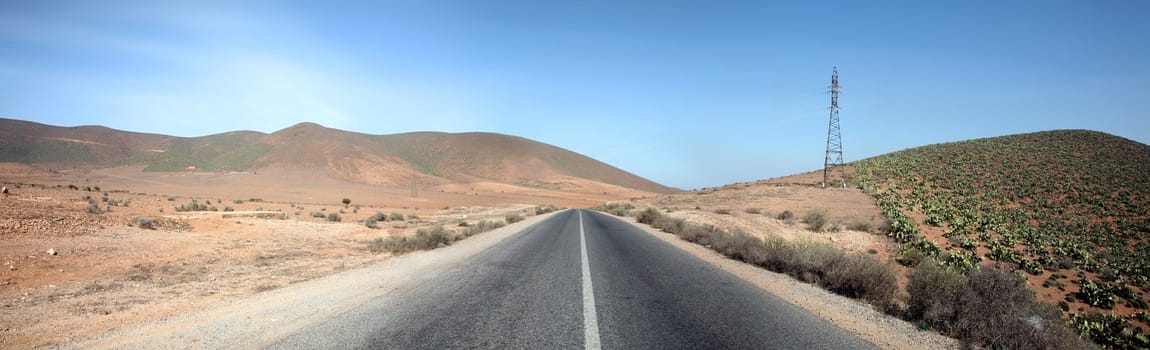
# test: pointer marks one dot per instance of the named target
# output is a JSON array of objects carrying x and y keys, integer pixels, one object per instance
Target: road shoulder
[{"x": 851, "y": 315}]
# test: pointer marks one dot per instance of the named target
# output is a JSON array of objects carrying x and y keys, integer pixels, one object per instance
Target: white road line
[{"x": 590, "y": 321}]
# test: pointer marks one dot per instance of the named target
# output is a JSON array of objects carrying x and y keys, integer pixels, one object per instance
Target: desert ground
[{"x": 76, "y": 262}]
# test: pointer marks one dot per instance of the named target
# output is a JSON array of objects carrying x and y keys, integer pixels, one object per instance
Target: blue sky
[{"x": 687, "y": 93}]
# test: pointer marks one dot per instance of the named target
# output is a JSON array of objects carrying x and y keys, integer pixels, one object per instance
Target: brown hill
[{"x": 437, "y": 158}]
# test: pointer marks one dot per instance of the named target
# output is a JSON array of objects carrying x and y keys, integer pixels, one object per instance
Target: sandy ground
[
  {"x": 69, "y": 272},
  {"x": 109, "y": 275},
  {"x": 259, "y": 320},
  {"x": 754, "y": 208}
]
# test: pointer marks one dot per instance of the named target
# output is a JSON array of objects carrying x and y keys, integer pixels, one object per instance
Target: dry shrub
[
  {"x": 860, "y": 224},
  {"x": 932, "y": 289},
  {"x": 669, "y": 224},
  {"x": 648, "y": 216},
  {"x": 863, "y": 277},
  {"x": 423, "y": 239},
  {"x": 988, "y": 308},
  {"x": 513, "y": 218},
  {"x": 816, "y": 220}
]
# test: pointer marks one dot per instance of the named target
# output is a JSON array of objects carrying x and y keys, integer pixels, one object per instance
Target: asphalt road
[{"x": 579, "y": 280}]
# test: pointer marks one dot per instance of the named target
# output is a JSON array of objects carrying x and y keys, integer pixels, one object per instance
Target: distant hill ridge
[{"x": 453, "y": 157}]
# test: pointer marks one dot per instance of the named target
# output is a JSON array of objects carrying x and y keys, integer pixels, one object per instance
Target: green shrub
[
  {"x": 1113, "y": 330},
  {"x": 396, "y": 216},
  {"x": 334, "y": 217},
  {"x": 317, "y": 214},
  {"x": 345, "y": 202},
  {"x": 372, "y": 222},
  {"x": 785, "y": 215},
  {"x": 1095, "y": 294}
]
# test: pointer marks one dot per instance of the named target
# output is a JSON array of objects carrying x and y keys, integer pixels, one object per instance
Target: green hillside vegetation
[
  {"x": 223, "y": 152},
  {"x": 45, "y": 151},
  {"x": 1070, "y": 208}
]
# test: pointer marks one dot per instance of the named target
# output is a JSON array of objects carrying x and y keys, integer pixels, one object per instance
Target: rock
[{"x": 52, "y": 251}]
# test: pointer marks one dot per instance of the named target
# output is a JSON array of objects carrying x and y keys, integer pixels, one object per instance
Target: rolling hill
[
  {"x": 1070, "y": 209},
  {"x": 309, "y": 147}
]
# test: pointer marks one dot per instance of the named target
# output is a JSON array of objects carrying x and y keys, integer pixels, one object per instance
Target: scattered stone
[{"x": 52, "y": 251}]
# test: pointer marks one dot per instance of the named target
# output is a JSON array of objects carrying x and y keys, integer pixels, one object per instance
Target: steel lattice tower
[{"x": 834, "y": 136}]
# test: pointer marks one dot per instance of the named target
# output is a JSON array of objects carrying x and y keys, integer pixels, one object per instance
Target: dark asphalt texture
[{"x": 525, "y": 293}]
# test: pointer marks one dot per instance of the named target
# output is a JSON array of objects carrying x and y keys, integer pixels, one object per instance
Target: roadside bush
[
  {"x": 479, "y": 227},
  {"x": 392, "y": 244},
  {"x": 986, "y": 308},
  {"x": 318, "y": 214},
  {"x": 863, "y": 277},
  {"x": 785, "y": 215},
  {"x": 513, "y": 218},
  {"x": 396, "y": 216},
  {"x": 371, "y": 222},
  {"x": 648, "y": 216},
  {"x": 334, "y": 217},
  {"x": 423, "y": 239},
  {"x": 544, "y": 209},
  {"x": 617, "y": 209},
  {"x": 933, "y": 288},
  {"x": 816, "y": 220},
  {"x": 430, "y": 238}
]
